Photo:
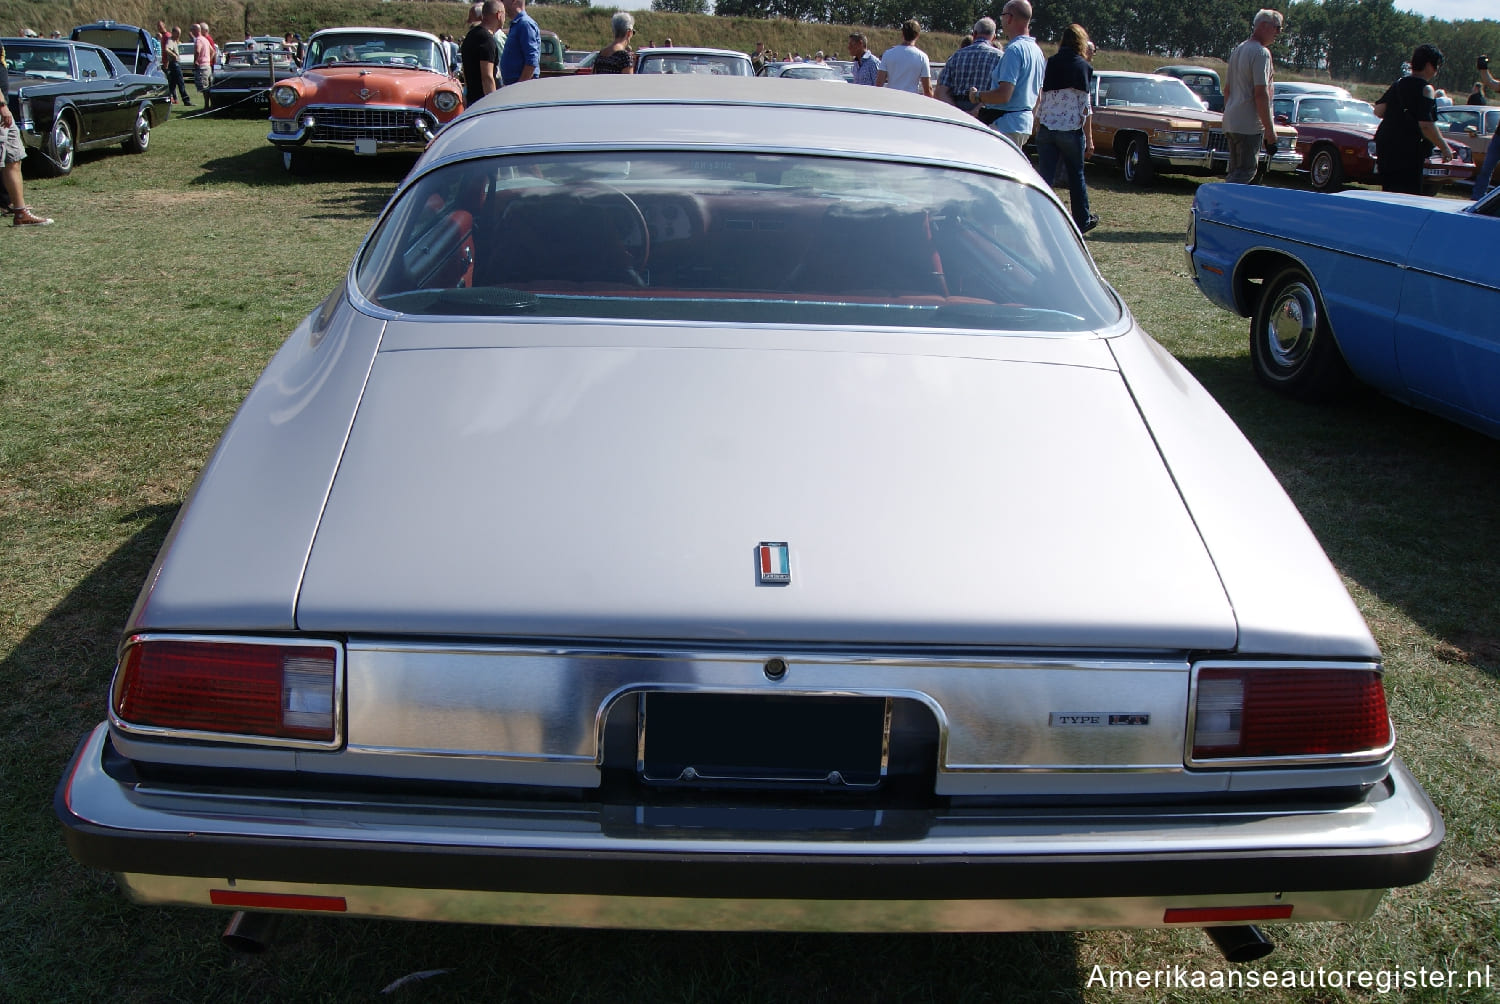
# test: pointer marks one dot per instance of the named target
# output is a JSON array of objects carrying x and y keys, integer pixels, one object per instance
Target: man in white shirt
[{"x": 904, "y": 67}]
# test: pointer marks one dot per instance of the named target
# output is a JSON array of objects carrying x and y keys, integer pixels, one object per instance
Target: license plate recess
[{"x": 763, "y": 741}]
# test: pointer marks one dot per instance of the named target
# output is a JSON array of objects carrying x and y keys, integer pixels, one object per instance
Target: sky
[{"x": 1447, "y": 10}]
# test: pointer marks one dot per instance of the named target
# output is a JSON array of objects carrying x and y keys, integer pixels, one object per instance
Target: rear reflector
[
  {"x": 276, "y": 901},
  {"x": 1225, "y": 914},
  {"x": 1277, "y": 712},
  {"x": 276, "y": 689}
]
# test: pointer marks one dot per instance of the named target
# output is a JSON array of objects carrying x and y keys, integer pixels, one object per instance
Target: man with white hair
[
  {"x": 1248, "y": 124},
  {"x": 972, "y": 66},
  {"x": 1017, "y": 82}
]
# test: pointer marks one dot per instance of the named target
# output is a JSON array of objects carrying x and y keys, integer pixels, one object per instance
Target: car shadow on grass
[
  {"x": 1405, "y": 503},
  {"x": 367, "y": 183}
]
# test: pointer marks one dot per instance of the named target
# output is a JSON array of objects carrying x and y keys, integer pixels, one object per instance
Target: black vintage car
[
  {"x": 71, "y": 96},
  {"x": 244, "y": 81}
]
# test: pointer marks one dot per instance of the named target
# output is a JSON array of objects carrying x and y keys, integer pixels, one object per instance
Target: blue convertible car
[{"x": 1401, "y": 292}]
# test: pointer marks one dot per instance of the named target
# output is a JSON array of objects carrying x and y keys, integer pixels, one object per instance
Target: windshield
[
  {"x": 1163, "y": 92},
  {"x": 731, "y": 66},
  {"x": 1347, "y": 111},
  {"x": 733, "y": 237},
  {"x": 811, "y": 71},
  {"x": 412, "y": 52}
]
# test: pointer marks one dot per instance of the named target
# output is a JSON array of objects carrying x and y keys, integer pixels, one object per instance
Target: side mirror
[{"x": 1283, "y": 119}]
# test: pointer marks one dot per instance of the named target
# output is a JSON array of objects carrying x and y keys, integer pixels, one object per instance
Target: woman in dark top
[
  {"x": 1408, "y": 125},
  {"x": 1065, "y": 121},
  {"x": 617, "y": 58}
]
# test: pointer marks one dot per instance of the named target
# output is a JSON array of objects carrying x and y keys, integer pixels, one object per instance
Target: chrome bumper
[
  {"x": 690, "y": 866},
  {"x": 1199, "y": 158}
]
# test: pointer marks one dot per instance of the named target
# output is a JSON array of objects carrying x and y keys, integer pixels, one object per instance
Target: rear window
[{"x": 733, "y": 237}]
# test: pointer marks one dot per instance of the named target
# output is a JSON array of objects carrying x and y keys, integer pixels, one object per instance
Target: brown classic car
[
  {"x": 1336, "y": 142},
  {"x": 1472, "y": 125},
  {"x": 1148, "y": 122},
  {"x": 364, "y": 91}
]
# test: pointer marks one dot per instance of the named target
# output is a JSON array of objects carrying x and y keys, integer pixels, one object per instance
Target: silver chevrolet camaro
[{"x": 742, "y": 508}]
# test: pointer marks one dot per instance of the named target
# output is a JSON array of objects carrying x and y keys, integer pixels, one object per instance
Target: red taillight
[
  {"x": 1264, "y": 712},
  {"x": 273, "y": 689}
]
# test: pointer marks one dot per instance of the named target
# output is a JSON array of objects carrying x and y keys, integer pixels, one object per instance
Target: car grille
[
  {"x": 1218, "y": 141},
  {"x": 386, "y": 125}
]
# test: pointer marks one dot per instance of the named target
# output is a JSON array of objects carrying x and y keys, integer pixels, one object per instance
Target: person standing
[
  {"x": 866, "y": 66},
  {"x": 1476, "y": 96},
  {"x": 203, "y": 60},
  {"x": 522, "y": 57},
  {"x": 973, "y": 65},
  {"x": 1248, "y": 125},
  {"x": 905, "y": 67},
  {"x": 480, "y": 53},
  {"x": 12, "y": 152},
  {"x": 1408, "y": 129},
  {"x": 1017, "y": 82},
  {"x": 1485, "y": 180},
  {"x": 758, "y": 58},
  {"x": 171, "y": 65},
  {"x": 1064, "y": 121},
  {"x": 617, "y": 57}
]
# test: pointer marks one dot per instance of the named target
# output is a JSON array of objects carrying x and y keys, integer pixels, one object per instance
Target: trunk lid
[{"x": 620, "y": 491}]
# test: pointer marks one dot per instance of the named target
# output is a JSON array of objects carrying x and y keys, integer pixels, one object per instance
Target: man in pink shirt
[{"x": 203, "y": 59}]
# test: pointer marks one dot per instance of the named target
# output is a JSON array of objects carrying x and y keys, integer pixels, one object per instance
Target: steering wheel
[{"x": 636, "y": 240}]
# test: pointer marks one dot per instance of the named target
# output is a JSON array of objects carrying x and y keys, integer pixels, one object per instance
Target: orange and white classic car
[{"x": 364, "y": 91}]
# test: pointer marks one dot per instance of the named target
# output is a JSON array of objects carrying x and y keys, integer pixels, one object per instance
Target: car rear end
[{"x": 726, "y": 593}]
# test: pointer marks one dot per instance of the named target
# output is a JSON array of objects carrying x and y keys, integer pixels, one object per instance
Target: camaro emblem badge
[{"x": 773, "y": 563}]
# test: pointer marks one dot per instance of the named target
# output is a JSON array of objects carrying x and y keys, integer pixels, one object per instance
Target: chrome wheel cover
[
  {"x": 1290, "y": 326},
  {"x": 62, "y": 143},
  {"x": 1322, "y": 169}
]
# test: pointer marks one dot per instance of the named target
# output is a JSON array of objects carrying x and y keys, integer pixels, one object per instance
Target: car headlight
[
  {"x": 1370, "y": 149},
  {"x": 1286, "y": 144},
  {"x": 445, "y": 101},
  {"x": 284, "y": 96},
  {"x": 1180, "y": 138}
]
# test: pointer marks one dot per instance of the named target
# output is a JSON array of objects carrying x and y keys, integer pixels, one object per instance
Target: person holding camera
[
  {"x": 1408, "y": 124},
  {"x": 1484, "y": 181}
]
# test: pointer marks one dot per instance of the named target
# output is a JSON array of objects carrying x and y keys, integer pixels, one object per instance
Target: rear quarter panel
[{"x": 1355, "y": 250}]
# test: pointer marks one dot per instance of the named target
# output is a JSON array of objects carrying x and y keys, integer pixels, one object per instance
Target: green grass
[{"x": 134, "y": 326}]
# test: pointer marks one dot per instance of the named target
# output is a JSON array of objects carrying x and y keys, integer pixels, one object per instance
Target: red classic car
[
  {"x": 365, "y": 91},
  {"x": 1336, "y": 138}
]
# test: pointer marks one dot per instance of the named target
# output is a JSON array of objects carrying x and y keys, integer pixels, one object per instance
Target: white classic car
[{"x": 742, "y": 509}]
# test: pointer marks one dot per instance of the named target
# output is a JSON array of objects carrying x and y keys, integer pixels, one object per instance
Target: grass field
[{"x": 133, "y": 327}]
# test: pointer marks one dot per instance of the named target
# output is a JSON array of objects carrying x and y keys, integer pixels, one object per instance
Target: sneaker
[
  {"x": 26, "y": 218},
  {"x": 1089, "y": 224}
]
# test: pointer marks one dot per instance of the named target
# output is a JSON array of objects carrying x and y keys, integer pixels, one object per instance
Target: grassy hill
[{"x": 579, "y": 27}]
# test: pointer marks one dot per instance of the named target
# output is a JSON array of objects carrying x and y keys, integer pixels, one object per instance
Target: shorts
[{"x": 12, "y": 150}]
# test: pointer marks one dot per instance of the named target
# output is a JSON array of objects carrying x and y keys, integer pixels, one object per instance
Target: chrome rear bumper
[{"x": 596, "y": 864}]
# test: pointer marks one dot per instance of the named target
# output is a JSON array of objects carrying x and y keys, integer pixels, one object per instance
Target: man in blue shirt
[
  {"x": 1018, "y": 78},
  {"x": 522, "y": 58}
]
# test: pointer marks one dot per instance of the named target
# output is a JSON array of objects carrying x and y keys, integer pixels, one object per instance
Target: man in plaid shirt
[{"x": 972, "y": 66}]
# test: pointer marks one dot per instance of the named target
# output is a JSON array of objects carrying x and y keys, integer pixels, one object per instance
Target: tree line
[{"x": 1358, "y": 40}]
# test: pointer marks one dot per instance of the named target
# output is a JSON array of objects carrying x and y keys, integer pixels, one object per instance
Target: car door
[
  {"x": 103, "y": 98},
  {"x": 1448, "y": 324}
]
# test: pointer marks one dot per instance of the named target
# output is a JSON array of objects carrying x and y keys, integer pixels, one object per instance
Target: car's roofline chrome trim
[{"x": 596, "y": 101}]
